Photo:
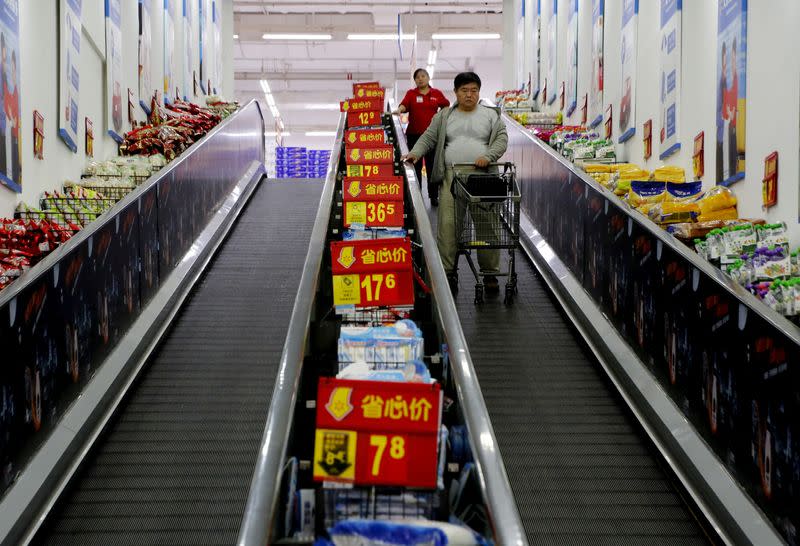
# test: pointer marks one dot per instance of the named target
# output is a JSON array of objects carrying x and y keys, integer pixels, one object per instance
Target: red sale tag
[
  {"x": 369, "y": 156},
  {"x": 371, "y": 171},
  {"x": 372, "y": 273},
  {"x": 365, "y": 85},
  {"x": 365, "y": 138},
  {"x": 363, "y": 119},
  {"x": 369, "y": 93},
  {"x": 381, "y": 433},
  {"x": 374, "y": 213},
  {"x": 361, "y": 105},
  {"x": 373, "y": 189}
]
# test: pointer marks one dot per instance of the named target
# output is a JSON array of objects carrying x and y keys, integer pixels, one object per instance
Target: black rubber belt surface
[
  {"x": 176, "y": 464},
  {"x": 580, "y": 469}
]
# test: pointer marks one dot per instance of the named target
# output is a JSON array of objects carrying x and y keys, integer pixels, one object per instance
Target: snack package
[
  {"x": 413, "y": 533},
  {"x": 669, "y": 173},
  {"x": 722, "y": 214},
  {"x": 381, "y": 347},
  {"x": 646, "y": 192},
  {"x": 716, "y": 199}
]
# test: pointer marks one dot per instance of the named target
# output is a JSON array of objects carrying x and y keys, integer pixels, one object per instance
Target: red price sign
[
  {"x": 365, "y": 138},
  {"x": 374, "y": 213},
  {"x": 377, "y": 433},
  {"x": 365, "y": 85},
  {"x": 373, "y": 189},
  {"x": 372, "y": 273},
  {"x": 363, "y": 119},
  {"x": 371, "y": 171},
  {"x": 368, "y": 156},
  {"x": 361, "y": 105},
  {"x": 370, "y": 93}
]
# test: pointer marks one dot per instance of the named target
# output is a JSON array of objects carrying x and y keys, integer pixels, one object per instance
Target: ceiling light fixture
[
  {"x": 321, "y": 133},
  {"x": 274, "y": 133},
  {"x": 321, "y": 106},
  {"x": 379, "y": 36},
  {"x": 306, "y": 37},
  {"x": 475, "y": 36},
  {"x": 235, "y": 36}
]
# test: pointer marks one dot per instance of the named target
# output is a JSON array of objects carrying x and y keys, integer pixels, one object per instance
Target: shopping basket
[{"x": 487, "y": 218}]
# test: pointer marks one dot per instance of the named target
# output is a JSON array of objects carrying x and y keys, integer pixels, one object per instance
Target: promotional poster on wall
[
  {"x": 572, "y": 56},
  {"x": 536, "y": 85},
  {"x": 114, "y": 72},
  {"x": 627, "y": 105},
  {"x": 731, "y": 90},
  {"x": 552, "y": 54},
  {"x": 10, "y": 121},
  {"x": 670, "y": 80},
  {"x": 170, "y": 74},
  {"x": 188, "y": 50},
  {"x": 69, "y": 80},
  {"x": 145, "y": 43},
  {"x": 596, "y": 93}
]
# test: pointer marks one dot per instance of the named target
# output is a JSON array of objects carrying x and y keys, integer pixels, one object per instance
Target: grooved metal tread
[
  {"x": 579, "y": 466},
  {"x": 175, "y": 465}
]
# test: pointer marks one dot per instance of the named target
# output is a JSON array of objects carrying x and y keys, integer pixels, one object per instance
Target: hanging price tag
[
  {"x": 374, "y": 213},
  {"x": 368, "y": 156},
  {"x": 365, "y": 85},
  {"x": 365, "y": 138},
  {"x": 371, "y": 171},
  {"x": 370, "y": 93},
  {"x": 377, "y": 433},
  {"x": 372, "y": 189},
  {"x": 363, "y": 119},
  {"x": 361, "y": 105},
  {"x": 372, "y": 273}
]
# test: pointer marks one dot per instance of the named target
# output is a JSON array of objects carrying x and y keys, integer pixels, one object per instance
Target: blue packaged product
[{"x": 417, "y": 533}]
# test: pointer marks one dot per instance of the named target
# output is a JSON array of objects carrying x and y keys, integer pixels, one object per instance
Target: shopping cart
[{"x": 487, "y": 218}]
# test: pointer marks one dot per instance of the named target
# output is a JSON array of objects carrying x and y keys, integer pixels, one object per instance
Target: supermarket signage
[
  {"x": 358, "y": 189},
  {"x": 370, "y": 93},
  {"x": 374, "y": 214},
  {"x": 365, "y": 85},
  {"x": 365, "y": 138},
  {"x": 384, "y": 171},
  {"x": 363, "y": 119},
  {"x": 372, "y": 273},
  {"x": 361, "y": 105},
  {"x": 363, "y": 156},
  {"x": 377, "y": 433}
]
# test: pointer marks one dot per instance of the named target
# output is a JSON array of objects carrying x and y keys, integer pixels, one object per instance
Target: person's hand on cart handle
[
  {"x": 410, "y": 158},
  {"x": 482, "y": 162},
  {"x": 400, "y": 110}
]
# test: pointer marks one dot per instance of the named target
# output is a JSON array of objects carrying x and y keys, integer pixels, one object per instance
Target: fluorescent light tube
[
  {"x": 321, "y": 133},
  {"x": 307, "y": 37},
  {"x": 474, "y": 36},
  {"x": 378, "y": 36},
  {"x": 322, "y": 106}
]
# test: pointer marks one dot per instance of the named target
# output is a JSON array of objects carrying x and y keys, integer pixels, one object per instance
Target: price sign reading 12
[
  {"x": 377, "y": 433},
  {"x": 362, "y": 119}
]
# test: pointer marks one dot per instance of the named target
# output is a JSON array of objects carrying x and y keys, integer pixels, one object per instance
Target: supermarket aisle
[
  {"x": 581, "y": 471},
  {"x": 176, "y": 464}
]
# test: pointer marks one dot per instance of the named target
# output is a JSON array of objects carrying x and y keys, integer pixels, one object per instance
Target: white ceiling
[{"x": 302, "y": 73}]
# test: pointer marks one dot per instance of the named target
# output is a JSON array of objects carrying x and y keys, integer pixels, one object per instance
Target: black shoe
[
  {"x": 490, "y": 284},
  {"x": 452, "y": 280},
  {"x": 434, "y": 202}
]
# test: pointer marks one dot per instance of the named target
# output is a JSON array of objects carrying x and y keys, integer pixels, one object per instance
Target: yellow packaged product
[
  {"x": 717, "y": 198},
  {"x": 669, "y": 173},
  {"x": 623, "y": 187},
  {"x": 721, "y": 214},
  {"x": 645, "y": 192}
]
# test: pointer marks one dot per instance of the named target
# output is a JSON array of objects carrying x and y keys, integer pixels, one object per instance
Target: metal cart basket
[{"x": 487, "y": 218}]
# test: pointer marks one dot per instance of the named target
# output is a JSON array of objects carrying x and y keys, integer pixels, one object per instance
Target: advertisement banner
[
  {"x": 145, "y": 41},
  {"x": 10, "y": 142},
  {"x": 114, "y": 72},
  {"x": 572, "y": 56},
  {"x": 731, "y": 90},
  {"x": 217, "y": 20},
  {"x": 670, "y": 76},
  {"x": 596, "y": 85},
  {"x": 627, "y": 105},
  {"x": 69, "y": 78},
  {"x": 536, "y": 85},
  {"x": 552, "y": 54},
  {"x": 170, "y": 74},
  {"x": 188, "y": 50}
]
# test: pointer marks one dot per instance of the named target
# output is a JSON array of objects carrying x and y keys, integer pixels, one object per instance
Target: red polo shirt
[{"x": 421, "y": 108}]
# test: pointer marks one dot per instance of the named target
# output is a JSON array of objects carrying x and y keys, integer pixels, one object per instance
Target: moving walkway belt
[
  {"x": 581, "y": 469},
  {"x": 175, "y": 464}
]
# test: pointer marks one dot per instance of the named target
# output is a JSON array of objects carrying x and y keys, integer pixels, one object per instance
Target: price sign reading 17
[
  {"x": 385, "y": 170},
  {"x": 372, "y": 273},
  {"x": 377, "y": 433}
]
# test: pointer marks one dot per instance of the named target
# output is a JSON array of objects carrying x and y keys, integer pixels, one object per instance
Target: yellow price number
[
  {"x": 397, "y": 450},
  {"x": 377, "y": 212},
  {"x": 373, "y": 283},
  {"x": 363, "y": 117},
  {"x": 370, "y": 170}
]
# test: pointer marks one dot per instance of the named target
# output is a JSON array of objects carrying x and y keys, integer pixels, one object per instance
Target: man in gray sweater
[{"x": 466, "y": 132}]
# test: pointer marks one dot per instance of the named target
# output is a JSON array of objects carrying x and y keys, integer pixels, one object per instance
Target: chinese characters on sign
[
  {"x": 363, "y": 156},
  {"x": 358, "y": 189},
  {"x": 365, "y": 138},
  {"x": 372, "y": 273}
]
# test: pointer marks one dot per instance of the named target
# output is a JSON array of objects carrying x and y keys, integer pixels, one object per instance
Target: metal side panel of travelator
[{"x": 474, "y": 489}]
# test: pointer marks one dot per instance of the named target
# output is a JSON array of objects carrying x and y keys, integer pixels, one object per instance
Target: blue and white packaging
[
  {"x": 381, "y": 347},
  {"x": 414, "y": 533}
]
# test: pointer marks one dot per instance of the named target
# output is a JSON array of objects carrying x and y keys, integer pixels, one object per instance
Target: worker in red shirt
[{"x": 422, "y": 104}]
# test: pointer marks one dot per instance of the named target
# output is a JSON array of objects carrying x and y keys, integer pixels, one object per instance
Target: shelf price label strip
[
  {"x": 372, "y": 273},
  {"x": 377, "y": 433}
]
